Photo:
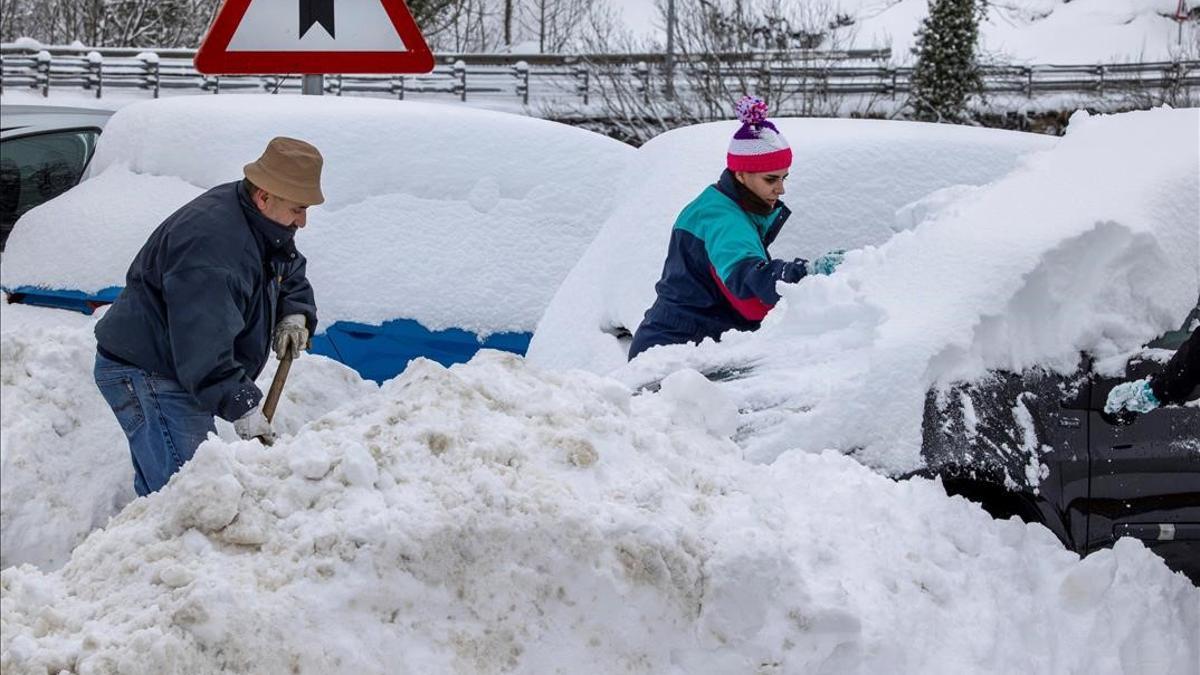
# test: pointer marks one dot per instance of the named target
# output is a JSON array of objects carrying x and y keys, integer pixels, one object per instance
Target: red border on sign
[{"x": 213, "y": 58}]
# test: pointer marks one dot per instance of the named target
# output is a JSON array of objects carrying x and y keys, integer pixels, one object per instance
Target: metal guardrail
[{"x": 564, "y": 78}]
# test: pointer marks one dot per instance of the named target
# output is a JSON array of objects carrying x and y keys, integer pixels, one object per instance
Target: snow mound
[
  {"x": 1090, "y": 246},
  {"x": 64, "y": 462},
  {"x": 452, "y": 216},
  {"x": 491, "y": 517}
]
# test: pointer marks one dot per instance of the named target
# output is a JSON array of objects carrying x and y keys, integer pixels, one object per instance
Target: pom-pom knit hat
[{"x": 757, "y": 146}]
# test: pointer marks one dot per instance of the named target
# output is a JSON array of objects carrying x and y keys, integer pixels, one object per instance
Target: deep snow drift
[
  {"x": 64, "y": 462},
  {"x": 451, "y": 216},
  {"x": 496, "y": 518},
  {"x": 1091, "y": 245}
]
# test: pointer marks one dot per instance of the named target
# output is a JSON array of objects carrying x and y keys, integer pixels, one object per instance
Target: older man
[{"x": 214, "y": 287}]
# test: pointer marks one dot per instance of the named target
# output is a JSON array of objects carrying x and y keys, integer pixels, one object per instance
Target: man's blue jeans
[{"x": 162, "y": 421}]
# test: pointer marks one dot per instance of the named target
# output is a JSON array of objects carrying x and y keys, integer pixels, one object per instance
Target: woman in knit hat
[{"x": 718, "y": 274}]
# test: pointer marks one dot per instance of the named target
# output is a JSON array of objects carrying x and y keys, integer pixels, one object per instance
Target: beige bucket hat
[{"x": 289, "y": 168}]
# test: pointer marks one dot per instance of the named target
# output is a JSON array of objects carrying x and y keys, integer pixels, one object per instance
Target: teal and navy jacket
[{"x": 718, "y": 274}]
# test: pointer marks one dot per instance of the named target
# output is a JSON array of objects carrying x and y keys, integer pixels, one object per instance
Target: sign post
[
  {"x": 313, "y": 38},
  {"x": 313, "y": 85}
]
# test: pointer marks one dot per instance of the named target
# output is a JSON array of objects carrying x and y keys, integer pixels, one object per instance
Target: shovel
[{"x": 273, "y": 394}]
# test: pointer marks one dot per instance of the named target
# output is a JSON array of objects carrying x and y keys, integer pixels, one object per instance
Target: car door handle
[{"x": 1158, "y": 531}]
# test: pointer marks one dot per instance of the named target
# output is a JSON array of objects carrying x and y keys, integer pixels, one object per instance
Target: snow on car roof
[
  {"x": 452, "y": 216},
  {"x": 23, "y": 118}
]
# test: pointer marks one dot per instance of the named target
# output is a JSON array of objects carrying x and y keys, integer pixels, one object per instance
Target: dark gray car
[{"x": 1038, "y": 445}]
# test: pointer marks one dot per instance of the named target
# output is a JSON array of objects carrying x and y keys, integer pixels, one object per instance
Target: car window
[
  {"x": 1172, "y": 339},
  {"x": 34, "y": 169}
]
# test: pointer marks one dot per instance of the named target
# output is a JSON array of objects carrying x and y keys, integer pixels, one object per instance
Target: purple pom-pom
[{"x": 751, "y": 110}]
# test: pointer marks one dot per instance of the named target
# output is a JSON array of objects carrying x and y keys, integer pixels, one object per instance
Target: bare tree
[
  {"x": 723, "y": 49},
  {"x": 108, "y": 23},
  {"x": 468, "y": 26},
  {"x": 778, "y": 50},
  {"x": 175, "y": 23},
  {"x": 555, "y": 23}
]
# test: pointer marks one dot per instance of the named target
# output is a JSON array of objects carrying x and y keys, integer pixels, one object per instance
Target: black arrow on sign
[{"x": 316, "y": 11}]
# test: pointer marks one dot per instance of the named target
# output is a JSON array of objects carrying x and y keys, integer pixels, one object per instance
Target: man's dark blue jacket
[{"x": 202, "y": 297}]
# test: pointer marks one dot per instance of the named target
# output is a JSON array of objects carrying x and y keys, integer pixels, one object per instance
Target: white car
[
  {"x": 446, "y": 229},
  {"x": 853, "y": 183}
]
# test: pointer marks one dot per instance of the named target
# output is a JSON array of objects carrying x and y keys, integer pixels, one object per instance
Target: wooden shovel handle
[{"x": 273, "y": 394}]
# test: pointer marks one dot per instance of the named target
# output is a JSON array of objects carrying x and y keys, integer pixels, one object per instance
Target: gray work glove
[
  {"x": 291, "y": 336},
  {"x": 253, "y": 425}
]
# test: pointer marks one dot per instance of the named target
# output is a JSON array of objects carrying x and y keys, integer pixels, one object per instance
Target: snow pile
[
  {"x": 64, "y": 466},
  {"x": 852, "y": 183},
  {"x": 452, "y": 216},
  {"x": 1091, "y": 246},
  {"x": 64, "y": 462},
  {"x": 494, "y": 518}
]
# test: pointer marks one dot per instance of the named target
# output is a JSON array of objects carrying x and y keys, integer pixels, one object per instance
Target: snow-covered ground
[
  {"x": 1014, "y": 31},
  {"x": 494, "y": 517},
  {"x": 64, "y": 463}
]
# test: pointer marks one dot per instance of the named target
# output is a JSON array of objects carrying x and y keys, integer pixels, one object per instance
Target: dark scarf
[
  {"x": 277, "y": 241},
  {"x": 750, "y": 202}
]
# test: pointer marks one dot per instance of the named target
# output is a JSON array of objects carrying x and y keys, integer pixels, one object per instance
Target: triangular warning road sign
[{"x": 313, "y": 37}]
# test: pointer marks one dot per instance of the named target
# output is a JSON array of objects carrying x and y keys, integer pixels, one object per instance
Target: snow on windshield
[
  {"x": 452, "y": 216},
  {"x": 852, "y": 183}
]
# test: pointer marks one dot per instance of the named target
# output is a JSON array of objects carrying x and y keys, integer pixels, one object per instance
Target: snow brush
[{"x": 273, "y": 394}]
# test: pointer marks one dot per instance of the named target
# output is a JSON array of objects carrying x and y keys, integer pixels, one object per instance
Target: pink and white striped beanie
[{"x": 757, "y": 146}]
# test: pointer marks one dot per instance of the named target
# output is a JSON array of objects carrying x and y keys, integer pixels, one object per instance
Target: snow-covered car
[
  {"x": 44, "y": 151},
  {"x": 853, "y": 183},
  {"x": 986, "y": 286},
  {"x": 446, "y": 229}
]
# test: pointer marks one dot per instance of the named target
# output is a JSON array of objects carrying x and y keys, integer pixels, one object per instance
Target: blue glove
[
  {"x": 1133, "y": 396},
  {"x": 827, "y": 263},
  {"x": 794, "y": 271}
]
